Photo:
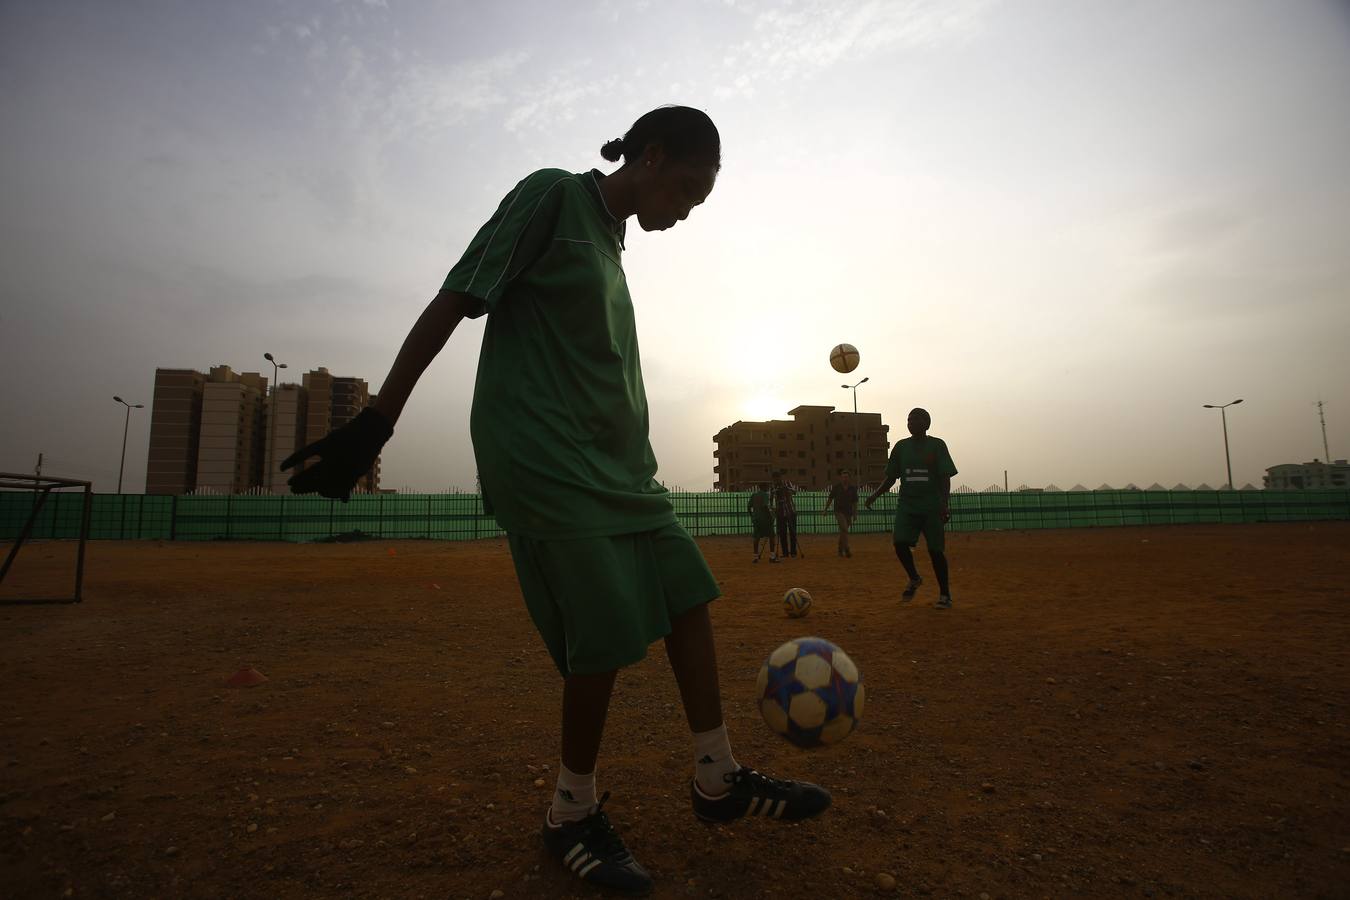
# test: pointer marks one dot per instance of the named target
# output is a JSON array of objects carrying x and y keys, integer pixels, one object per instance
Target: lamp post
[
  {"x": 125, "y": 426},
  {"x": 1224, "y": 415},
  {"x": 272, "y": 421},
  {"x": 857, "y": 455}
]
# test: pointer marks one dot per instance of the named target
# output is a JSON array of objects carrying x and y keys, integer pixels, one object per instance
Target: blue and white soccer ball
[
  {"x": 810, "y": 692},
  {"x": 796, "y": 602}
]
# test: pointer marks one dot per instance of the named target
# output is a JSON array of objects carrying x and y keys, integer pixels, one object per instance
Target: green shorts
[
  {"x": 598, "y": 603},
  {"x": 763, "y": 527},
  {"x": 909, "y": 524}
]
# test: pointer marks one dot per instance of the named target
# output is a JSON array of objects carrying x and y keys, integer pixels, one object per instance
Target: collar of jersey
[{"x": 592, "y": 184}]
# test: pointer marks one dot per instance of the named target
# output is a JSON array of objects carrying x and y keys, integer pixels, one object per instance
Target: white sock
[
  {"x": 573, "y": 798},
  {"x": 713, "y": 761}
]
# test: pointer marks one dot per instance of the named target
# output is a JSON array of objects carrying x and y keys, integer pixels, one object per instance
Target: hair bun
[{"x": 612, "y": 150}]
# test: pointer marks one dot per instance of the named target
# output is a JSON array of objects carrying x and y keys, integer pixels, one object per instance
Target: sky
[{"x": 1061, "y": 227}]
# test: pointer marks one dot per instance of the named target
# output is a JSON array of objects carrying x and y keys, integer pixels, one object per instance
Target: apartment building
[
  {"x": 333, "y": 401},
  {"x": 288, "y": 409},
  {"x": 230, "y": 441},
  {"x": 175, "y": 423},
  {"x": 1308, "y": 476},
  {"x": 809, "y": 448},
  {"x": 205, "y": 431}
]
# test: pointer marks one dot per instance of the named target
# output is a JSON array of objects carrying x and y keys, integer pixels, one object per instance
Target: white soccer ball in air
[{"x": 844, "y": 358}]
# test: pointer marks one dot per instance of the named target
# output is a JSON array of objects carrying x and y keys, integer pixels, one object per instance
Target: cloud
[
  {"x": 1188, "y": 229},
  {"x": 1288, "y": 298},
  {"x": 427, "y": 98},
  {"x": 616, "y": 10},
  {"x": 801, "y": 40},
  {"x": 558, "y": 98},
  {"x": 161, "y": 160}
]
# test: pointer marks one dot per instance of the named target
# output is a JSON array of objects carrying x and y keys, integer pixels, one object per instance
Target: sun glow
[{"x": 762, "y": 406}]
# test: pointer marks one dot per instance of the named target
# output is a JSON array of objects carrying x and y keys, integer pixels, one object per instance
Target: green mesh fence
[{"x": 460, "y": 517}]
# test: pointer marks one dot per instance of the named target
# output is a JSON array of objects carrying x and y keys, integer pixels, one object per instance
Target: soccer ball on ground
[
  {"x": 844, "y": 358},
  {"x": 796, "y": 602},
  {"x": 810, "y": 692}
]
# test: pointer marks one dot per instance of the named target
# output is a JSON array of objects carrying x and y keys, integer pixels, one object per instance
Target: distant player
[
  {"x": 844, "y": 497},
  {"x": 925, "y": 469},
  {"x": 560, "y": 435},
  {"x": 785, "y": 512},
  {"x": 761, "y": 521}
]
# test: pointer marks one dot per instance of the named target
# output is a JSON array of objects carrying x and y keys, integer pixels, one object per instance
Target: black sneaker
[
  {"x": 593, "y": 851},
  {"x": 908, "y": 592},
  {"x": 753, "y": 794}
]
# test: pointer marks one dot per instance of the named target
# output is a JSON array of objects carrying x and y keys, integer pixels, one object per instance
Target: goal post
[{"x": 41, "y": 487}]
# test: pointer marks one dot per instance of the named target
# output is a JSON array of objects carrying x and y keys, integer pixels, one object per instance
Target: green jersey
[
  {"x": 920, "y": 467},
  {"x": 759, "y": 507},
  {"x": 559, "y": 421}
]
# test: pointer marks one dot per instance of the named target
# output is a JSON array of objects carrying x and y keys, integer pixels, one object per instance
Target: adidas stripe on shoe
[
  {"x": 592, "y": 850},
  {"x": 753, "y": 794}
]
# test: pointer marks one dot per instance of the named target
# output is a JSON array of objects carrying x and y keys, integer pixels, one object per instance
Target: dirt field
[{"x": 1106, "y": 713}]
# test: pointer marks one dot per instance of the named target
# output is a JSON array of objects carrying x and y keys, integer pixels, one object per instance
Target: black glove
[{"x": 344, "y": 456}]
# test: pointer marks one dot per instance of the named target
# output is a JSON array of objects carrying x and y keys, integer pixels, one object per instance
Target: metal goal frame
[{"x": 42, "y": 486}]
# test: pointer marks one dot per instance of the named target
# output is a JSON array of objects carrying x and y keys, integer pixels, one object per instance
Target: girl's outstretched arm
[{"x": 433, "y": 328}]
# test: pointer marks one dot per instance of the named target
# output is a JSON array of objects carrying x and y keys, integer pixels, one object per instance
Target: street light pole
[
  {"x": 125, "y": 426},
  {"x": 1223, "y": 414},
  {"x": 857, "y": 454},
  {"x": 272, "y": 421}
]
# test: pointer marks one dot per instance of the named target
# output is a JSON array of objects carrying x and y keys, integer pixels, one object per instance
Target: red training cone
[{"x": 245, "y": 677}]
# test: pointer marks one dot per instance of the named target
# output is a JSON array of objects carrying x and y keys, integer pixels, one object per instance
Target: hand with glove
[{"x": 344, "y": 456}]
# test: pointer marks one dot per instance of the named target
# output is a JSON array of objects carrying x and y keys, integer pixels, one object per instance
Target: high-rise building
[
  {"x": 230, "y": 442},
  {"x": 288, "y": 407},
  {"x": 334, "y": 400},
  {"x": 809, "y": 449},
  {"x": 204, "y": 431},
  {"x": 175, "y": 420},
  {"x": 318, "y": 384}
]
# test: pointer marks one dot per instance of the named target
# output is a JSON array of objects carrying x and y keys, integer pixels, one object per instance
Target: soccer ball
[
  {"x": 844, "y": 358},
  {"x": 796, "y": 602},
  {"x": 810, "y": 692}
]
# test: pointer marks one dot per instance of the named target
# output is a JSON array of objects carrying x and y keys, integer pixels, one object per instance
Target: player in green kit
[
  {"x": 560, "y": 435},
  {"x": 925, "y": 469},
  {"x": 761, "y": 521},
  {"x": 844, "y": 496}
]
